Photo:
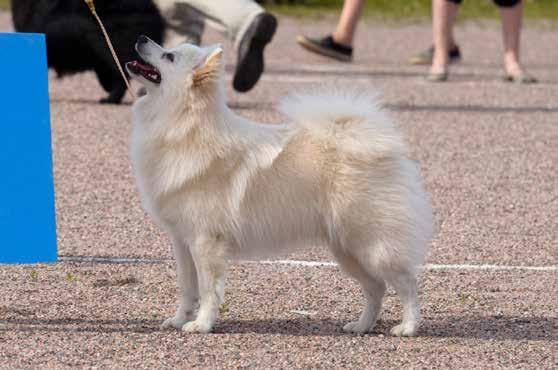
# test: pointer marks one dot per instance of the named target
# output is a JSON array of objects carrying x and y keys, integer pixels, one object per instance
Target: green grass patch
[
  {"x": 414, "y": 9},
  {"x": 403, "y": 9},
  {"x": 4, "y": 4}
]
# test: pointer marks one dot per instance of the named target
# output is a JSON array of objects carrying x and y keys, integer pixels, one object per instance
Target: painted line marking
[
  {"x": 489, "y": 267},
  {"x": 303, "y": 313},
  {"x": 418, "y": 80},
  {"x": 297, "y": 263},
  {"x": 315, "y": 73},
  {"x": 108, "y": 260}
]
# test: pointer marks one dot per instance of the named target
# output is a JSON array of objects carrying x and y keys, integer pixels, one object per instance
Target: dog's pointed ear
[{"x": 210, "y": 67}]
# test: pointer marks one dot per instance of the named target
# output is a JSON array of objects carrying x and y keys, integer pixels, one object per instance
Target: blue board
[{"x": 27, "y": 213}]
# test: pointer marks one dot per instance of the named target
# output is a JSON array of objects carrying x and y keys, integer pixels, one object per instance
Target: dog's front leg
[
  {"x": 210, "y": 255},
  {"x": 187, "y": 285}
]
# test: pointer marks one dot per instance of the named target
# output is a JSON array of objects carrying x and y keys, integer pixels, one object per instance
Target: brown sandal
[
  {"x": 522, "y": 78},
  {"x": 437, "y": 77}
]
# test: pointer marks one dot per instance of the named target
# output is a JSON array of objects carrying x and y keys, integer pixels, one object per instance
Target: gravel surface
[
  {"x": 487, "y": 151},
  {"x": 108, "y": 315}
]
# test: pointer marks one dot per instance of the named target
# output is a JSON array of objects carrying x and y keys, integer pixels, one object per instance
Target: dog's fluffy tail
[{"x": 350, "y": 120}]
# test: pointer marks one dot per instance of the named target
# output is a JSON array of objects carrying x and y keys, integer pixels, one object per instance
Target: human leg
[
  {"x": 511, "y": 12},
  {"x": 233, "y": 17},
  {"x": 444, "y": 13},
  {"x": 338, "y": 45},
  {"x": 345, "y": 31},
  {"x": 251, "y": 29}
]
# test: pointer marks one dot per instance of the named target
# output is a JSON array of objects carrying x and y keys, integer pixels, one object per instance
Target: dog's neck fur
[{"x": 208, "y": 130}]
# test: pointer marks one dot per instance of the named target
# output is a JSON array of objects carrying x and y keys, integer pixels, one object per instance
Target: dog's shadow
[
  {"x": 493, "y": 327},
  {"x": 86, "y": 101},
  {"x": 489, "y": 327}
]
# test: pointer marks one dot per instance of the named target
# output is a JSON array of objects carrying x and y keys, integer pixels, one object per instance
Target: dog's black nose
[{"x": 142, "y": 39}]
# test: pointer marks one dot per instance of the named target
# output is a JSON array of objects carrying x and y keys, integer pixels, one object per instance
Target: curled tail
[{"x": 351, "y": 120}]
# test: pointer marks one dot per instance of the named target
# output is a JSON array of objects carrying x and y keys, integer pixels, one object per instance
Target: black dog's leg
[
  {"x": 107, "y": 72},
  {"x": 111, "y": 83},
  {"x": 116, "y": 94},
  {"x": 104, "y": 76}
]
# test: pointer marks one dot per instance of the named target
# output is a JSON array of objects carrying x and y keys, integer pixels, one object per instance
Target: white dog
[{"x": 224, "y": 187}]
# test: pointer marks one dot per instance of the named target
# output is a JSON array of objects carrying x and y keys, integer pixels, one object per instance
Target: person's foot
[
  {"x": 520, "y": 77},
  {"x": 439, "y": 68},
  {"x": 426, "y": 56},
  {"x": 327, "y": 47},
  {"x": 250, "y": 62},
  {"x": 516, "y": 73},
  {"x": 437, "y": 76}
]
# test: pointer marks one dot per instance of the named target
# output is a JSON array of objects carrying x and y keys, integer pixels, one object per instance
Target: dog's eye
[{"x": 169, "y": 57}]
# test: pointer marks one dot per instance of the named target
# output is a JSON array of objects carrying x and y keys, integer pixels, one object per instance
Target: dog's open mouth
[{"x": 146, "y": 70}]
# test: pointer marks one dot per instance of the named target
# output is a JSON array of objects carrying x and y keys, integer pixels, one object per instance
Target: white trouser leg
[{"x": 229, "y": 16}]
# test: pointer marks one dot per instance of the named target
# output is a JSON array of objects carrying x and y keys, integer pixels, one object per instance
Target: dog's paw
[
  {"x": 176, "y": 322},
  {"x": 197, "y": 327},
  {"x": 109, "y": 100},
  {"x": 404, "y": 330},
  {"x": 356, "y": 327}
]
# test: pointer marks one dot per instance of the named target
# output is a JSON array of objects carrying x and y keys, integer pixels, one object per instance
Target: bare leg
[
  {"x": 210, "y": 256},
  {"x": 187, "y": 285},
  {"x": 511, "y": 29},
  {"x": 405, "y": 284},
  {"x": 346, "y": 27},
  {"x": 443, "y": 19}
]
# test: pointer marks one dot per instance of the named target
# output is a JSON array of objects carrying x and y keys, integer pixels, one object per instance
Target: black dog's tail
[{"x": 26, "y": 15}]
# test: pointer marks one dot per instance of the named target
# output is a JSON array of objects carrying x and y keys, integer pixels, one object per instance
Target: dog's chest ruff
[{"x": 202, "y": 182}]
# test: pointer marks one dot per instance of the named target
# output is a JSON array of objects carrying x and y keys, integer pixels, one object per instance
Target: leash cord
[{"x": 91, "y": 6}]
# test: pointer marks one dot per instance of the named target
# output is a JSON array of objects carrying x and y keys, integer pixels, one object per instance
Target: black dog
[{"x": 75, "y": 42}]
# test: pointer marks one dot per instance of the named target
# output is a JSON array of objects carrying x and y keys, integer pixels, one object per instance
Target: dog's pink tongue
[{"x": 143, "y": 67}]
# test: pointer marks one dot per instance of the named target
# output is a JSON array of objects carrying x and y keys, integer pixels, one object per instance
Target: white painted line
[
  {"x": 307, "y": 73},
  {"x": 303, "y": 313},
  {"x": 116, "y": 260},
  {"x": 368, "y": 79},
  {"x": 298, "y": 263},
  {"x": 489, "y": 267},
  {"x": 425, "y": 267},
  {"x": 313, "y": 79}
]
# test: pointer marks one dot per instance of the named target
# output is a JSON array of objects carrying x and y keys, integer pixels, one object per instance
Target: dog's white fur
[{"x": 224, "y": 187}]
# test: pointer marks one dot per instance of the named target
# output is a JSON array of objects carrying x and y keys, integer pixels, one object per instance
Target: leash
[{"x": 91, "y": 6}]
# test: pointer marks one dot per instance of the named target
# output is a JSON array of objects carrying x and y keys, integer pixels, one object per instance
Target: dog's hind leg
[
  {"x": 405, "y": 285},
  {"x": 187, "y": 285},
  {"x": 374, "y": 289},
  {"x": 210, "y": 254}
]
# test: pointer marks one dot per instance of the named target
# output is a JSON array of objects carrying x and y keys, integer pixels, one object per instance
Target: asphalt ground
[{"x": 488, "y": 152}]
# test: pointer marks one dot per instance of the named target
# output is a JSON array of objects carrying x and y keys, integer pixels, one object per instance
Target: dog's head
[{"x": 176, "y": 71}]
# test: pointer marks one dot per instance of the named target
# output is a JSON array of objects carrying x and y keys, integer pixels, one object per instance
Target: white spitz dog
[{"x": 226, "y": 188}]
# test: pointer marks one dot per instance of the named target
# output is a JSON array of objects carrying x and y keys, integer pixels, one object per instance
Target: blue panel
[{"x": 27, "y": 214}]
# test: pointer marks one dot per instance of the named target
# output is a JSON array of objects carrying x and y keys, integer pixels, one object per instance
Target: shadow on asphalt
[
  {"x": 258, "y": 105},
  {"x": 469, "y": 109},
  {"x": 348, "y": 73},
  {"x": 88, "y": 102},
  {"x": 498, "y": 328},
  {"x": 244, "y": 105},
  {"x": 79, "y": 325},
  {"x": 490, "y": 327}
]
